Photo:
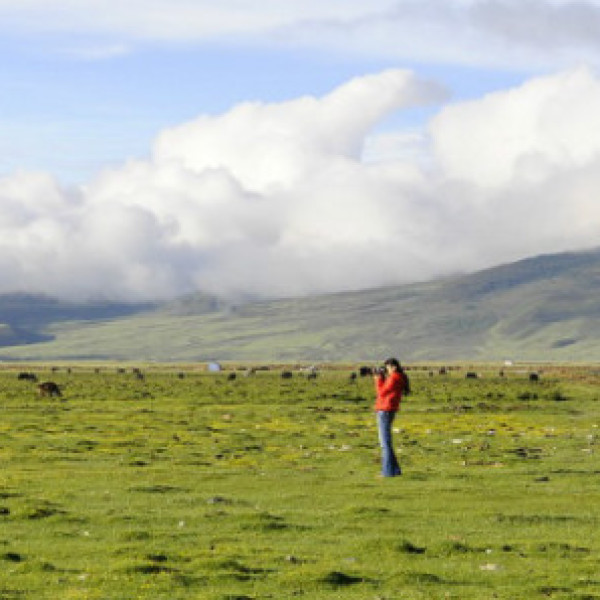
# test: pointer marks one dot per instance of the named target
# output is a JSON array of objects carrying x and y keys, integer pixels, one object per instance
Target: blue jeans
[{"x": 389, "y": 462}]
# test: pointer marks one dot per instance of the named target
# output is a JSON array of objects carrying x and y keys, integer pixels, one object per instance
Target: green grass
[{"x": 199, "y": 487}]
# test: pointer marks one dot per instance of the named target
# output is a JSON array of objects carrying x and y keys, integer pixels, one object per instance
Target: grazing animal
[
  {"x": 353, "y": 376},
  {"x": 181, "y": 375},
  {"x": 534, "y": 377},
  {"x": 286, "y": 374},
  {"x": 443, "y": 371},
  {"x": 471, "y": 375},
  {"x": 231, "y": 377},
  {"x": 48, "y": 388},
  {"x": 364, "y": 371},
  {"x": 27, "y": 377},
  {"x": 312, "y": 375}
]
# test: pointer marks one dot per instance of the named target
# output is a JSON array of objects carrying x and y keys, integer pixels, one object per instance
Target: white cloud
[
  {"x": 515, "y": 34},
  {"x": 528, "y": 133},
  {"x": 409, "y": 145},
  {"x": 266, "y": 146},
  {"x": 274, "y": 199},
  {"x": 520, "y": 170},
  {"x": 174, "y": 19},
  {"x": 96, "y": 52}
]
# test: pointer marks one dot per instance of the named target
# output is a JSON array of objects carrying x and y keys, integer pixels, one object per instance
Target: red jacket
[{"x": 389, "y": 392}]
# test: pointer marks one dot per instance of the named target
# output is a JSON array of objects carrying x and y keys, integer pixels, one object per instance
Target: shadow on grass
[{"x": 339, "y": 579}]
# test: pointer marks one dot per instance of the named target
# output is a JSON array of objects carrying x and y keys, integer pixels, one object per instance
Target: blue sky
[
  {"x": 131, "y": 109},
  {"x": 100, "y": 95},
  {"x": 75, "y": 115},
  {"x": 105, "y": 110}
]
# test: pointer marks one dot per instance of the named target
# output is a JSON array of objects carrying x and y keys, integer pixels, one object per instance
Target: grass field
[{"x": 187, "y": 485}]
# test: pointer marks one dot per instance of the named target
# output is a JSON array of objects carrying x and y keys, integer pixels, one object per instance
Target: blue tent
[{"x": 214, "y": 367}]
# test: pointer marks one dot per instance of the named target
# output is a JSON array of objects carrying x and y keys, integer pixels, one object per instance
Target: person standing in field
[{"x": 389, "y": 385}]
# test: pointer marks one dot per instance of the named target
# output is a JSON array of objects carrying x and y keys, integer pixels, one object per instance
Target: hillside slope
[{"x": 543, "y": 308}]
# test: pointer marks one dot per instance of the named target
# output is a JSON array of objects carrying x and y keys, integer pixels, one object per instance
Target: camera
[{"x": 381, "y": 371}]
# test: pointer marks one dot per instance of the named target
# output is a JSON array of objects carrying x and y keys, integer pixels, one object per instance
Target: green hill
[{"x": 543, "y": 308}]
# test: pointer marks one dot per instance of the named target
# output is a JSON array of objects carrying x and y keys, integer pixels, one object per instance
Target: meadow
[{"x": 185, "y": 484}]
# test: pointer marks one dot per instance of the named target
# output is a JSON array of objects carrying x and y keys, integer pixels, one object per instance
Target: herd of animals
[
  {"x": 51, "y": 389},
  {"x": 46, "y": 388}
]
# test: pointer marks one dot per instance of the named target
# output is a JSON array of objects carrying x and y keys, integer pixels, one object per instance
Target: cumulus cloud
[
  {"x": 548, "y": 124},
  {"x": 276, "y": 199},
  {"x": 520, "y": 167},
  {"x": 290, "y": 140}
]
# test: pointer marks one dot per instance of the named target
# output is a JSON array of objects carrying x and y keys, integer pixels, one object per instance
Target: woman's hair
[{"x": 393, "y": 362}]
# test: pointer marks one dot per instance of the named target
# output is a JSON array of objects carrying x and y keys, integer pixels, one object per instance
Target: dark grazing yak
[{"x": 48, "y": 388}]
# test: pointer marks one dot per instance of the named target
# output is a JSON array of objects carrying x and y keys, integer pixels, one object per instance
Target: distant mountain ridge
[{"x": 541, "y": 308}]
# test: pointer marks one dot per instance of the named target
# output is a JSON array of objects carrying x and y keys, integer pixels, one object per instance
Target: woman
[{"x": 389, "y": 386}]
